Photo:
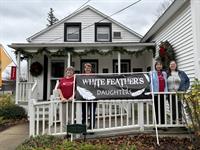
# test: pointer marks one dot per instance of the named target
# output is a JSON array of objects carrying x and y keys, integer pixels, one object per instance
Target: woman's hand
[
  {"x": 70, "y": 99},
  {"x": 63, "y": 99}
]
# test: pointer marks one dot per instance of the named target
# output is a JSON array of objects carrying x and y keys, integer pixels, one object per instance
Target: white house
[
  {"x": 84, "y": 36},
  {"x": 88, "y": 35},
  {"x": 180, "y": 25}
]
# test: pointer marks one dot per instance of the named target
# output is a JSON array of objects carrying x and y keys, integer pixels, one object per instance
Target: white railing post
[
  {"x": 78, "y": 112},
  {"x": 31, "y": 118},
  {"x": 141, "y": 115}
]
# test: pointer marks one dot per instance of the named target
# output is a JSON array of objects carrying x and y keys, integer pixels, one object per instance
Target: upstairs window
[
  {"x": 103, "y": 32},
  {"x": 72, "y": 32},
  {"x": 117, "y": 35}
]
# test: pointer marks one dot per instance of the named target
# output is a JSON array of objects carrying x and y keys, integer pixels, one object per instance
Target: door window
[
  {"x": 125, "y": 66},
  {"x": 57, "y": 72}
]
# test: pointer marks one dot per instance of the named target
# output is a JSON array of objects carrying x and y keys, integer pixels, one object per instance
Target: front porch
[{"x": 119, "y": 57}]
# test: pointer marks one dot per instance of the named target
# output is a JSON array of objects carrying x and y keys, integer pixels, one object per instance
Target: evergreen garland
[{"x": 65, "y": 51}]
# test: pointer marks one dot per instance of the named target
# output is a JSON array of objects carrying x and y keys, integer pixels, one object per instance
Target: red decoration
[
  {"x": 166, "y": 53},
  {"x": 13, "y": 73},
  {"x": 162, "y": 51}
]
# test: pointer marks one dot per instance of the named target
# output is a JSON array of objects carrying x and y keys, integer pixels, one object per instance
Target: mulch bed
[
  {"x": 11, "y": 123},
  {"x": 145, "y": 142}
]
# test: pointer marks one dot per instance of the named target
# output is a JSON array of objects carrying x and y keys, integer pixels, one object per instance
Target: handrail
[
  {"x": 180, "y": 92},
  {"x": 56, "y": 86},
  {"x": 34, "y": 86}
]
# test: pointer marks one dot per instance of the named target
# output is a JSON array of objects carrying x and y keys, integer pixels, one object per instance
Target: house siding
[
  {"x": 86, "y": 18},
  {"x": 179, "y": 33},
  {"x": 39, "y": 78}
]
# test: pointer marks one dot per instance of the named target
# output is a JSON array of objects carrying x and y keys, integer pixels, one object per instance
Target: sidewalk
[{"x": 13, "y": 136}]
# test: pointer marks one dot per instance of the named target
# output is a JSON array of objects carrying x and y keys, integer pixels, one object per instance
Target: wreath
[
  {"x": 166, "y": 53},
  {"x": 36, "y": 69}
]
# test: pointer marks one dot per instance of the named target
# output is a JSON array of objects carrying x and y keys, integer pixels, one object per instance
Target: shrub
[
  {"x": 192, "y": 101},
  {"x": 3, "y": 121},
  {"x": 6, "y": 100},
  {"x": 42, "y": 142},
  {"x": 12, "y": 112}
]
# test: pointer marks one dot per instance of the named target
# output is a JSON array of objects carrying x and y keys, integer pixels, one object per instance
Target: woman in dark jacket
[{"x": 177, "y": 80}]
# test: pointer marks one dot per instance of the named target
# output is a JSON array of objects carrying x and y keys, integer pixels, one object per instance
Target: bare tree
[
  {"x": 163, "y": 6},
  {"x": 51, "y": 18}
]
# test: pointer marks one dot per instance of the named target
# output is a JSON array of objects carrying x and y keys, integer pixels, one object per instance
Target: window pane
[
  {"x": 57, "y": 69},
  {"x": 102, "y": 36},
  {"x": 103, "y": 33},
  {"x": 103, "y": 30},
  {"x": 125, "y": 65},
  {"x": 73, "y": 36},
  {"x": 73, "y": 30},
  {"x": 73, "y": 33}
]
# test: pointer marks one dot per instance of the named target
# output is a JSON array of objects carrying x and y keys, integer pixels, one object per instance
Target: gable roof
[
  {"x": 78, "y": 12},
  {"x": 171, "y": 10}
]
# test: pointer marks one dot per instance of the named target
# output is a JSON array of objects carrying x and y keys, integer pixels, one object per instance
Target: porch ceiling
[{"x": 33, "y": 46}]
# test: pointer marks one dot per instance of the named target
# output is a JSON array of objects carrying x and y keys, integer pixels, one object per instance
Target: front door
[
  {"x": 93, "y": 62},
  {"x": 57, "y": 72}
]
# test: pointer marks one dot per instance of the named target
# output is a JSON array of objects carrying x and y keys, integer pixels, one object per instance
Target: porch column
[
  {"x": 28, "y": 70},
  {"x": 17, "y": 77},
  {"x": 68, "y": 59},
  {"x": 119, "y": 62},
  {"x": 195, "y": 5}
]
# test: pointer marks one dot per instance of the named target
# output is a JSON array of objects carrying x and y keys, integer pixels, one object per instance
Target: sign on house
[{"x": 112, "y": 86}]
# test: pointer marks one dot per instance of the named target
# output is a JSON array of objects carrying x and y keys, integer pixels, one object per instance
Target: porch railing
[
  {"x": 48, "y": 117},
  {"x": 23, "y": 89}
]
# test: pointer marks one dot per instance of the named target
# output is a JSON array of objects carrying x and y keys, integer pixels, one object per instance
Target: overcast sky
[{"x": 19, "y": 19}]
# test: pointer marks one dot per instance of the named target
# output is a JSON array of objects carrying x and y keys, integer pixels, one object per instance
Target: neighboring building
[
  {"x": 8, "y": 86},
  {"x": 180, "y": 25},
  {"x": 84, "y": 36}
]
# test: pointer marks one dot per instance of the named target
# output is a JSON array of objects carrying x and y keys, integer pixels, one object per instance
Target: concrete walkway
[{"x": 13, "y": 136}]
